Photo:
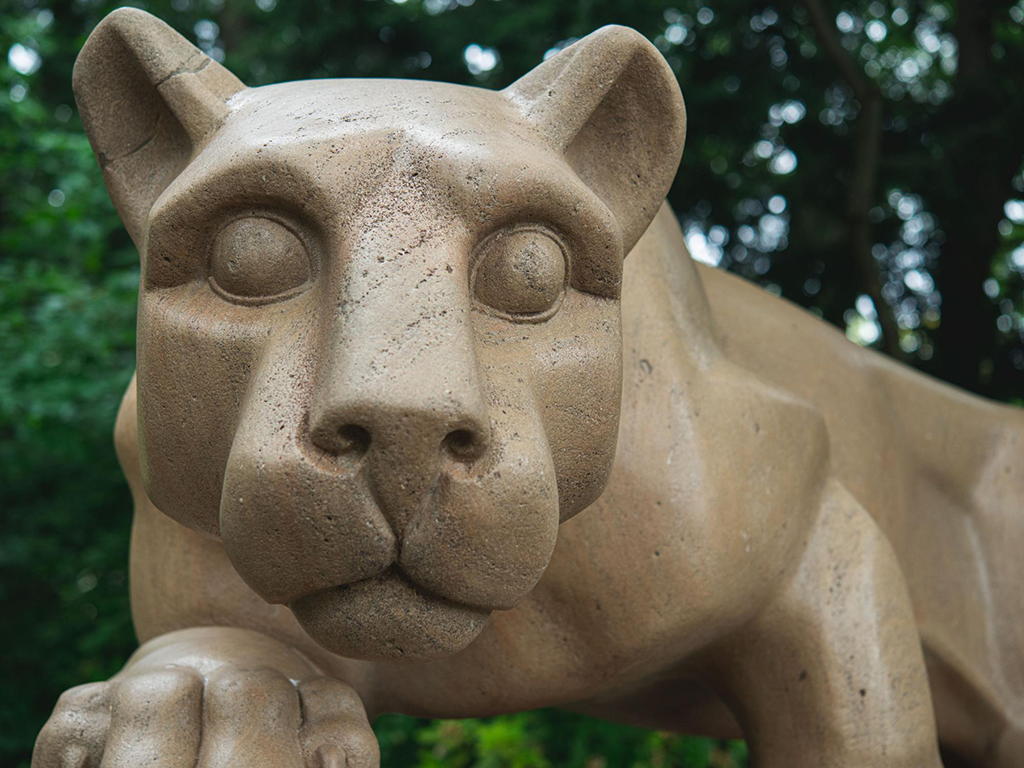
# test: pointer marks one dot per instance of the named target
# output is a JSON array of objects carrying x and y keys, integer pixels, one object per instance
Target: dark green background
[{"x": 902, "y": 221}]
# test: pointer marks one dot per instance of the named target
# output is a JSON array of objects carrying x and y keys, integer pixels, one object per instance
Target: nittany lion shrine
[{"x": 434, "y": 414}]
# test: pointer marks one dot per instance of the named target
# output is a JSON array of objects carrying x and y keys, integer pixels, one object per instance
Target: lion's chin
[{"x": 387, "y": 618}]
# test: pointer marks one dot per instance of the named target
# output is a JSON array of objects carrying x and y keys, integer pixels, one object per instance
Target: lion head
[{"x": 379, "y": 351}]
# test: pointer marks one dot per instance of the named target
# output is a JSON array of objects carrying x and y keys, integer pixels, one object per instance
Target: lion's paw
[{"x": 173, "y": 718}]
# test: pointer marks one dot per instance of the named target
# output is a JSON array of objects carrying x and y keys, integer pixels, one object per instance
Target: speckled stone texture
[{"x": 411, "y": 433}]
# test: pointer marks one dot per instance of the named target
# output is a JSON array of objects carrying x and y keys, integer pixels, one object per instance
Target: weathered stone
[{"x": 387, "y": 353}]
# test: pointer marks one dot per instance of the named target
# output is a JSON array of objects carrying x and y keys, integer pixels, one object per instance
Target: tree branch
[{"x": 867, "y": 156}]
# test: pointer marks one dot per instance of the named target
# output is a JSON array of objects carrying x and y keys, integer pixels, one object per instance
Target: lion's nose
[
  {"x": 407, "y": 421},
  {"x": 352, "y": 430},
  {"x": 398, "y": 386},
  {"x": 405, "y": 451}
]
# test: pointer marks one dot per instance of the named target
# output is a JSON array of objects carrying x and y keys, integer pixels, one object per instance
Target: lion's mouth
[{"x": 388, "y": 617}]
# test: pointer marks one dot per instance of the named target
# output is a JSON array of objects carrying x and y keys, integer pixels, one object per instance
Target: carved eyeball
[
  {"x": 520, "y": 273},
  {"x": 256, "y": 260}
]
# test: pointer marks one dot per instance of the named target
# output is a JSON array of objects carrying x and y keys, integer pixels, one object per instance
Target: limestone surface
[{"x": 434, "y": 414}]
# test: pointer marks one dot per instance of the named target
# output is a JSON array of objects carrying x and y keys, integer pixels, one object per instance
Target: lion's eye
[
  {"x": 520, "y": 273},
  {"x": 257, "y": 260}
]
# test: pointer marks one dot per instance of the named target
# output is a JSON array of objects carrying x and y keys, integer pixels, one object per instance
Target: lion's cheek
[
  {"x": 578, "y": 389},
  {"x": 194, "y": 367}
]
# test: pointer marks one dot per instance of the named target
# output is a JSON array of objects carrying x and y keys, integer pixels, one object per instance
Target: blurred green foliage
[
  {"x": 544, "y": 739},
  {"x": 924, "y": 258}
]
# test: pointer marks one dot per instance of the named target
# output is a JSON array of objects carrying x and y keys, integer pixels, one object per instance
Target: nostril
[
  {"x": 463, "y": 445},
  {"x": 349, "y": 440},
  {"x": 353, "y": 439}
]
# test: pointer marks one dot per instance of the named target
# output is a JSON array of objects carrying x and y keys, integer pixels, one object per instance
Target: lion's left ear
[
  {"x": 611, "y": 104},
  {"x": 149, "y": 100}
]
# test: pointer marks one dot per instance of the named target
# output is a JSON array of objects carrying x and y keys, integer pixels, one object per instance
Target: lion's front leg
[
  {"x": 210, "y": 697},
  {"x": 831, "y": 672}
]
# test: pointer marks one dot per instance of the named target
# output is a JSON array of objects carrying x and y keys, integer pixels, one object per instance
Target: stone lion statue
[{"x": 434, "y": 414}]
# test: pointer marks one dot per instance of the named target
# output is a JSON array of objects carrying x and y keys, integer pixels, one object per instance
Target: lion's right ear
[
  {"x": 149, "y": 100},
  {"x": 611, "y": 105}
]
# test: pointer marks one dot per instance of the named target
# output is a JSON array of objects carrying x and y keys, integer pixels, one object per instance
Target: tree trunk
[
  {"x": 867, "y": 156},
  {"x": 982, "y": 155}
]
